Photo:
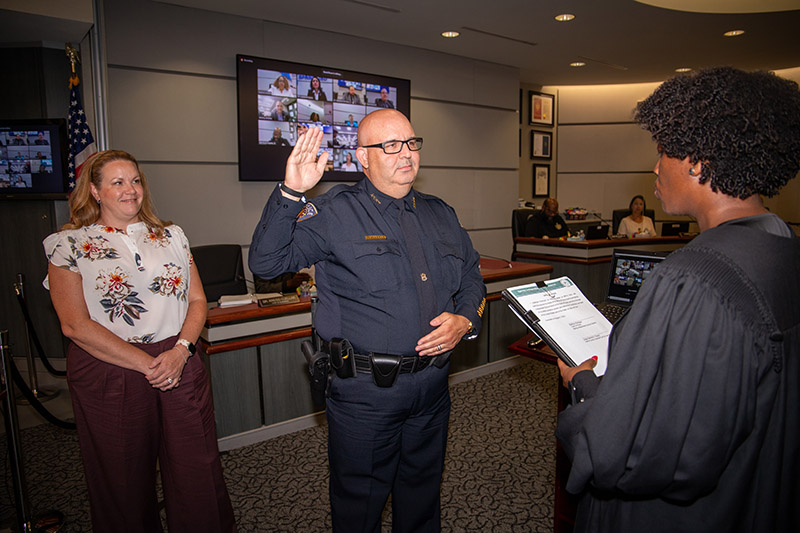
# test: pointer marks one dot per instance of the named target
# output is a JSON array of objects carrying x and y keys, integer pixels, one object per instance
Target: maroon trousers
[{"x": 125, "y": 425}]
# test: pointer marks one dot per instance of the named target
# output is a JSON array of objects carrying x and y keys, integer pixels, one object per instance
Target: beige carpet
[{"x": 499, "y": 472}]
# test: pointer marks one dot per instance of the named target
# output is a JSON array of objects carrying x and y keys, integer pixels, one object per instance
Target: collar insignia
[{"x": 372, "y": 195}]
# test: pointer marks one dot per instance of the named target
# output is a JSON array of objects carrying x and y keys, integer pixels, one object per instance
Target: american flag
[{"x": 81, "y": 141}]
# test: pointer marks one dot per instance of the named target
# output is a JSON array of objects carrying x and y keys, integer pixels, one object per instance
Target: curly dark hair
[{"x": 743, "y": 126}]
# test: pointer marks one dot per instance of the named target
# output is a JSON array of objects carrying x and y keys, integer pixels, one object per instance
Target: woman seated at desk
[{"x": 637, "y": 223}]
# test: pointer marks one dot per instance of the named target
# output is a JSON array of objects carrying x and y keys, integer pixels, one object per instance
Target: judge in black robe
[{"x": 696, "y": 424}]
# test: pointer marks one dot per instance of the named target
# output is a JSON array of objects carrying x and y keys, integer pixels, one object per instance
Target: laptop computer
[
  {"x": 629, "y": 269},
  {"x": 597, "y": 231},
  {"x": 669, "y": 229}
]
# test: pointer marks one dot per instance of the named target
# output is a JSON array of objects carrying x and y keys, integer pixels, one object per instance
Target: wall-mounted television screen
[
  {"x": 33, "y": 158},
  {"x": 279, "y": 100}
]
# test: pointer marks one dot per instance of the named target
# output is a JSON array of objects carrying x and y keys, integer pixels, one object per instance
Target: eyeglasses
[{"x": 395, "y": 147}]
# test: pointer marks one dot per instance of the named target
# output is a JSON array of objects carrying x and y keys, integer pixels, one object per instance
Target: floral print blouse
[{"x": 135, "y": 284}]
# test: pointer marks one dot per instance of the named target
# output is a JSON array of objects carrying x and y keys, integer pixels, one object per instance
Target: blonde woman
[{"x": 128, "y": 295}]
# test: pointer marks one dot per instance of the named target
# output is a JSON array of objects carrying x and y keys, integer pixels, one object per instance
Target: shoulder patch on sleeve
[{"x": 310, "y": 210}]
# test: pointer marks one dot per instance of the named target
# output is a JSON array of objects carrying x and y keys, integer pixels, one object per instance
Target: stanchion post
[
  {"x": 33, "y": 379},
  {"x": 12, "y": 437},
  {"x": 42, "y": 394}
]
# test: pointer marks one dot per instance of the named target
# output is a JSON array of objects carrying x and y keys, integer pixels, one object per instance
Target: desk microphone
[{"x": 247, "y": 282}]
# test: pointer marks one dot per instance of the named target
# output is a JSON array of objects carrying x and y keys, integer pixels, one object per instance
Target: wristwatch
[
  {"x": 188, "y": 345},
  {"x": 470, "y": 334}
]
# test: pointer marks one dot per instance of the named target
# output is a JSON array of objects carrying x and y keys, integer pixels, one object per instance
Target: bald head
[
  {"x": 392, "y": 174},
  {"x": 372, "y": 123}
]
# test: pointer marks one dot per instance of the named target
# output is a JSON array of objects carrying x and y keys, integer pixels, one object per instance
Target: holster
[
  {"x": 385, "y": 369},
  {"x": 319, "y": 368},
  {"x": 343, "y": 361}
]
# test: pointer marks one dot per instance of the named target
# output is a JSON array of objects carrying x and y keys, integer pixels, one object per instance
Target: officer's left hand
[{"x": 449, "y": 330}]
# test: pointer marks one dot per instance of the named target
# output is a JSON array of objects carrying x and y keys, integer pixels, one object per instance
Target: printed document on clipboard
[{"x": 560, "y": 314}]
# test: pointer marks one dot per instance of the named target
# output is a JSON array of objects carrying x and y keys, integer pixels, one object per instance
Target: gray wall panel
[
  {"x": 463, "y": 136},
  {"x": 161, "y": 36},
  {"x": 206, "y": 42},
  {"x": 481, "y": 198},
  {"x": 168, "y": 117},
  {"x": 207, "y": 201},
  {"x": 604, "y": 148}
]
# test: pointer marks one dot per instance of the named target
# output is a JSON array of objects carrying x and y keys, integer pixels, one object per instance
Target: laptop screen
[
  {"x": 674, "y": 228},
  {"x": 598, "y": 231},
  {"x": 629, "y": 269}
]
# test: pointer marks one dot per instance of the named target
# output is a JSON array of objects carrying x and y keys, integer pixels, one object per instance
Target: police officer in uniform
[{"x": 397, "y": 278}]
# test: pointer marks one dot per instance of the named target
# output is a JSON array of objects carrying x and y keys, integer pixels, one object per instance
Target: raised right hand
[{"x": 303, "y": 170}]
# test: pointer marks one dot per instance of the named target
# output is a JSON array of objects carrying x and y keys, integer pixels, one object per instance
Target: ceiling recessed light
[
  {"x": 733, "y": 33},
  {"x": 450, "y": 34},
  {"x": 578, "y": 64},
  {"x": 565, "y": 17},
  {"x": 683, "y": 69}
]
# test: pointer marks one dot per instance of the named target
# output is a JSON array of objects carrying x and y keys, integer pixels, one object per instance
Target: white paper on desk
[
  {"x": 235, "y": 299},
  {"x": 569, "y": 318}
]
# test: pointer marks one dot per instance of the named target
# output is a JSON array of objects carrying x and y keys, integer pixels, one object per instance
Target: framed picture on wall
[
  {"x": 541, "y": 108},
  {"x": 541, "y": 180},
  {"x": 541, "y": 144}
]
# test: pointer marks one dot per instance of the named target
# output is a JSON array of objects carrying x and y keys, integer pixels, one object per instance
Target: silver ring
[
  {"x": 169, "y": 380},
  {"x": 438, "y": 347}
]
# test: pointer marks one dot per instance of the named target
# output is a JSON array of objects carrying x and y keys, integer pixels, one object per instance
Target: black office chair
[
  {"x": 221, "y": 269},
  {"x": 519, "y": 218},
  {"x": 618, "y": 214}
]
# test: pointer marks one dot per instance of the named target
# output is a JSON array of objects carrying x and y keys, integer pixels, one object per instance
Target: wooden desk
[
  {"x": 260, "y": 379},
  {"x": 587, "y": 263},
  {"x": 565, "y": 504},
  {"x": 594, "y": 249}
]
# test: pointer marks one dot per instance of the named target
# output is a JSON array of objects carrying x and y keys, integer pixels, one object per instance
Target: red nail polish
[{"x": 594, "y": 357}]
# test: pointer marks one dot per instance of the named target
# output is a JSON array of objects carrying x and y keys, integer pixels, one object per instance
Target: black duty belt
[
  {"x": 408, "y": 364},
  {"x": 384, "y": 367}
]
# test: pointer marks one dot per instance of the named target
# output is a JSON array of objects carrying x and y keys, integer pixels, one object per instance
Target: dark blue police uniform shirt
[{"x": 364, "y": 279}]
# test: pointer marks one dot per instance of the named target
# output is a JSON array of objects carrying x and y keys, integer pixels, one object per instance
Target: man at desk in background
[
  {"x": 396, "y": 276},
  {"x": 547, "y": 223}
]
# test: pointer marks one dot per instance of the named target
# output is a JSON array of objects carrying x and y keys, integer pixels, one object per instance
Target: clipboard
[{"x": 561, "y": 315}]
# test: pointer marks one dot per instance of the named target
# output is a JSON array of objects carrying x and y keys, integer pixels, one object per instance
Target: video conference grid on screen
[
  {"x": 25, "y": 155},
  {"x": 629, "y": 276},
  {"x": 289, "y": 103}
]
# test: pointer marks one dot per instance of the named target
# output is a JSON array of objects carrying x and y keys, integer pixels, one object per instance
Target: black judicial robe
[{"x": 696, "y": 424}]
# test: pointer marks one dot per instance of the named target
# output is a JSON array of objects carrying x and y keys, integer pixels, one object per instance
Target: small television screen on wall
[{"x": 33, "y": 158}]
